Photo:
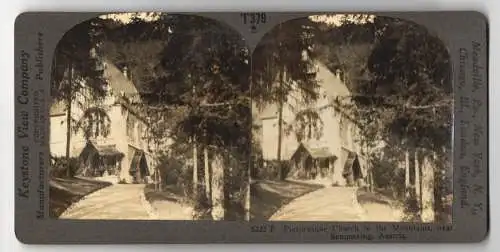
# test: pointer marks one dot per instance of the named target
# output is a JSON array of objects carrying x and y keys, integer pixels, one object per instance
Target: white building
[
  {"x": 120, "y": 155},
  {"x": 335, "y": 154}
]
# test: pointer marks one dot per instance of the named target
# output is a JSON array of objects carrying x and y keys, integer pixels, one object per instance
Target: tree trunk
[
  {"x": 281, "y": 174},
  {"x": 195, "y": 167},
  {"x": 407, "y": 173},
  {"x": 195, "y": 154},
  {"x": 418, "y": 184},
  {"x": 208, "y": 184},
  {"x": 218, "y": 210},
  {"x": 247, "y": 202},
  {"x": 439, "y": 188},
  {"x": 372, "y": 183},
  {"x": 158, "y": 180},
  {"x": 155, "y": 179},
  {"x": 418, "y": 181},
  {"x": 251, "y": 160},
  {"x": 158, "y": 170},
  {"x": 68, "y": 119},
  {"x": 370, "y": 179},
  {"x": 420, "y": 166}
]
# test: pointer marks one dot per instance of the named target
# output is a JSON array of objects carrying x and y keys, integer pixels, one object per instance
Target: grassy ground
[
  {"x": 379, "y": 202},
  {"x": 268, "y": 196},
  {"x": 380, "y": 205},
  {"x": 66, "y": 191},
  {"x": 171, "y": 203},
  {"x": 377, "y": 196},
  {"x": 169, "y": 193}
]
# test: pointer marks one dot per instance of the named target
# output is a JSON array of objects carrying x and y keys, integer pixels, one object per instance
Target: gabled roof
[
  {"x": 318, "y": 151},
  {"x": 315, "y": 151},
  {"x": 106, "y": 150},
  {"x": 329, "y": 84},
  {"x": 118, "y": 82}
]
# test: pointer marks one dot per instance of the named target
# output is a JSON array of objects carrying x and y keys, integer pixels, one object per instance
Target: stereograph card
[{"x": 258, "y": 127}]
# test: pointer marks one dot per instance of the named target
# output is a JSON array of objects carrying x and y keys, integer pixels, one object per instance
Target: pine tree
[
  {"x": 205, "y": 72},
  {"x": 282, "y": 63},
  {"x": 76, "y": 70},
  {"x": 402, "y": 92}
]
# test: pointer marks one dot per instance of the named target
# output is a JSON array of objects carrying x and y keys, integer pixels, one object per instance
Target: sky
[
  {"x": 334, "y": 20},
  {"x": 127, "y": 17}
]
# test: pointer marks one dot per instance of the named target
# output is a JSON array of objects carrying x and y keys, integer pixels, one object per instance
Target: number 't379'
[{"x": 254, "y": 18}]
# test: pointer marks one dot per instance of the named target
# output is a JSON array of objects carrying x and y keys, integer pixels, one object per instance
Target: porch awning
[
  {"x": 107, "y": 150},
  {"x": 136, "y": 159},
  {"x": 101, "y": 150},
  {"x": 321, "y": 152},
  {"x": 316, "y": 152},
  {"x": 139, "y": 162}
]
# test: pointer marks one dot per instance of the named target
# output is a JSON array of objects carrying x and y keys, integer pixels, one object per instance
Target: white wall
[
  {"x": 58, "y": 135},
  {"x": 58, "y": 125},
  {"x": 58, "y": 130},
  {"x": 118, "y": 137},
  {"x": 330, "y": 85},
  {"x": 269, "y": 141},
  {"x": 118, "y": 128}
]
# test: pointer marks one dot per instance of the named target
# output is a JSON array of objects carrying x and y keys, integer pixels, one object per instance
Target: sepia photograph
[
  {"x": 251, "y": 127},
  {"x": 344, "y": 117},
  {"x": 150, "y": 119},
  {"x": 352, "y": 122}
]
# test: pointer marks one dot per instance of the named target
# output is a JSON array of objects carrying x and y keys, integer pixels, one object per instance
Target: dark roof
[
  {"x": 315, "y": 151},
  {"x": 320, "y": 152},
  {"x": 118, "y": 82},
  {"x": 106, "y": 150},
  {"x": 330, "y": 83}
]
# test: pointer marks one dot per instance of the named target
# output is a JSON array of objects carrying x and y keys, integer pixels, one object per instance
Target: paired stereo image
[{"x": 331, "y": 117}]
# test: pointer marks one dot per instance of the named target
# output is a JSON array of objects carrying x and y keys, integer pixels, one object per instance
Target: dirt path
[
  {"x": 269, "y": 196},
  {"x": 377, "y": 212},
  {"x": 167, "y": 210},
  {"x": 121, "y": 201},
  {"x": 327, "y": 204}
]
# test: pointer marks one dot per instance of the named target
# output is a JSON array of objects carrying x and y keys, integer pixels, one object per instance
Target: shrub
[
  {"x": 60, "y": 165},
  {"x": 173, "y": 170},
  {"x": 270, "y": 170},
  {"x": 122, "y": 181},
  {"x": 236, "y": 185},
  {"x": 388, "y": 175},
  {"x": 177, "y": 169}
]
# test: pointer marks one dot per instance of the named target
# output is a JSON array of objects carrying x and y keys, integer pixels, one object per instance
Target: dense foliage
[
  {"x": 197, "y": 79},
  {"x": 399, "y": 75}
]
